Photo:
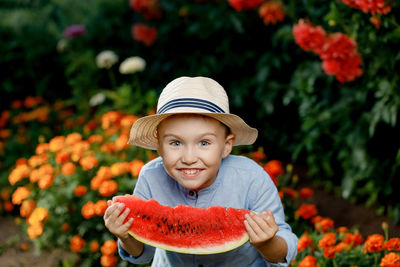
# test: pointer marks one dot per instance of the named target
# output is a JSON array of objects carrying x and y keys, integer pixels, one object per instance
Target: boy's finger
[
  {"x": 251, "y": 220},
  {"x": 123, "y": 216}
]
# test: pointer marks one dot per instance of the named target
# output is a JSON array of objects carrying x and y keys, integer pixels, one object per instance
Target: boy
[{"x": 194, "y": 133}]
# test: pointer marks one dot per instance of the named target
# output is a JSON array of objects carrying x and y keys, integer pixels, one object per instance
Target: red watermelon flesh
[{"x": 186, "y": 229}]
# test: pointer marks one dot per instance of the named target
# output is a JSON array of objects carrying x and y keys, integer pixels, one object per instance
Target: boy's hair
[{"x": 197, "y": 95}]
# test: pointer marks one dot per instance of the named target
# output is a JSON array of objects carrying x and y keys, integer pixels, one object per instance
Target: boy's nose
[{"x": 189, "y": 156}]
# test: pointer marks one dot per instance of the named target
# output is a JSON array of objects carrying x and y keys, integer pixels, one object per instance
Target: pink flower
[{"x": 74, "y": 31}]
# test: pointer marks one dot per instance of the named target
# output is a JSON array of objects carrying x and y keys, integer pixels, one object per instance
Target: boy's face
[{"x": 192, "y": 147}]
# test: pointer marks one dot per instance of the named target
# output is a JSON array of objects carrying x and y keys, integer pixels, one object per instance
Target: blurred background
[{"x": 318, "y": 79}]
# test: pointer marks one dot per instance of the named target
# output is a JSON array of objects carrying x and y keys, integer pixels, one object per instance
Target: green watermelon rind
[{"x": 228, "y": 246}]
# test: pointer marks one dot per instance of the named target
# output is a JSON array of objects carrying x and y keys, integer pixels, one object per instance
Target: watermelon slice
[{"x": 186, "y": 229}]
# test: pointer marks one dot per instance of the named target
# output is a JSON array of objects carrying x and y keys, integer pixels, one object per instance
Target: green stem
[{"x": 112, "y": 79}]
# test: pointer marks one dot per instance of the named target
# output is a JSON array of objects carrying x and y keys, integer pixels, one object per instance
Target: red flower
[
  {"x": 308, "y": 261},
  {"x": 306, "y": 211},
  {"x": 306, "y": 192},
  {"x": 150, "y": 9},
  {"x": 304, "y": 242},
  {"x": 144, "y": 34},
  {"x": 393, "y": 244},
  {"x": 271, "y": 12},
  {"x": 274, "y": 169},
  {"x": 374, "y": 243},
  {"x": 340, "y": 58},
  {"x": 308, "y": 37},
  {"x": 390, "y": 260},
  {"x": 240, "y": 5},
  {"x": 371, "y": 6}
]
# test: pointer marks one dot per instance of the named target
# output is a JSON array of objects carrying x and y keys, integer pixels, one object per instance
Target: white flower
[
  {"x": 106, "y": 59},
  {"x": 132, "y": 65},
  {"x": 61, "y": 45},
  {"x": 97, "y": 99}
]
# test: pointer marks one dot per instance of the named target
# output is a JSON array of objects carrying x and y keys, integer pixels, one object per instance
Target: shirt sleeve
[
  {"x": 264, "y": 195},
  {"x": 145, "y": 257}
]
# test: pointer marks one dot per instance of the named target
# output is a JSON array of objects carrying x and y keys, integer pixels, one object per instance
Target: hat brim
[{"x": 144, "y": 131}]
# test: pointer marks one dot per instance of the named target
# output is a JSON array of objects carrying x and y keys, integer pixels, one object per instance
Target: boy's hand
[
  {"x": 261, "y": 227},
  {"x": 114, "y": 220}
]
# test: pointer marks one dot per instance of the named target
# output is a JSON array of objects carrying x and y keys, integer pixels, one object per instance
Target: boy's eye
[
  {"x": 175, "y": 143},
  {"x": 204, "y": 143}
]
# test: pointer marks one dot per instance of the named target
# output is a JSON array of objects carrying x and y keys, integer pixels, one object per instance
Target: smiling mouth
[{"x": 190, "y": 171}]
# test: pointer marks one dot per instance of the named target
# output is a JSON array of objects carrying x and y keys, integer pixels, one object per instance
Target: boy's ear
[{"x": 229, "y": 140}]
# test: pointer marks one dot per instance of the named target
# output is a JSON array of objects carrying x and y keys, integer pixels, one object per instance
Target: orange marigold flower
[
  {"x": 100, "y": 207},
  {"x": 117, "y": 169},
  {"x": 374, "y": 243},
  {"x": 393, "y": 244},
  {"x": 324, "y": 225},
  {"x": 274, "y": 169},
  {"x": 304, "y": 242},
  {"x": 96, "y": 138},
  {"x": 308, "y": 261},
  {"x": 104, "y": 172},
  {"x": 111, "y": 118},
  {"x": 108, "y": 261},
  {"x": 89, "y": 162},
  {"x": 62, "y": 157},
  {"x": 73, "y": 138},
  {"x": 391, "y": 259},
  {"x": 19, "y": 173},
  {"x": 88, "y": 210},
  {"x": 96, "y": 182},
  {"x": 306, "y": 192},
  {"x": 26, "y": 208},
  {"x": 34, "y": 230},
  {"x": 122, "y": 142},
  {"x": 45, "y": 181},
  {"x": 57, "y": 143},
  {"x": 327, "y": 240},
  {"x": 128, "y": 120},
  {"x": 306, "y": 211},
  {"x": 68, "y": 168},
  {"x": 37, "y": 160},
  {"x": 109, "y": 247},
  {"x": 108, "y": 188},
  {"x": 77, "y": 243},
  {"x": 42, "y": 148},
  {"x": 21, "y": 161},
  {"x": 20, "y": 194},
  {"x": 342, "y": 229},
  {"x": 80, "y": 148},
  {"x": 94, "y": 246},
  {"x": 289, "y": 192},
  {"x": 271, "y": 12},
  {"x": 353, "y": 239},
  {"x": 65, "y": 227},
  {"x": 329, "y": 252},
  {"x": 46, "y": 169},
  {"x": 8, "y": 206},
  {"x": 80, "y": 190},
  {"x": 136, "y": 166},
  {"x": 38, "y": 215},
  {"x": 5, "y": 193},
  {"x": 108, "y": 148}
]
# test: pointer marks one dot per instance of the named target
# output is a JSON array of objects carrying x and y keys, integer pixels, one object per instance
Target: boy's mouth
[{"x": 190, "y": 172}]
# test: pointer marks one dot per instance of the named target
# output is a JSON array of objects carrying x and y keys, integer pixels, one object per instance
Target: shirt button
[{"x": 191, "y": 193}]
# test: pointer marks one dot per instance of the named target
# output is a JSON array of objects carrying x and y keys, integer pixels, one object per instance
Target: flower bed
[{"x": 60, "y": 192}]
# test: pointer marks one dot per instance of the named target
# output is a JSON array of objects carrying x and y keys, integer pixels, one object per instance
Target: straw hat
[{"x": 199, "y": 95}]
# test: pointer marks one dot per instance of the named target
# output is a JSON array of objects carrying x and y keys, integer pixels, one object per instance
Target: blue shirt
[{"x": 240, "y": 183}]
